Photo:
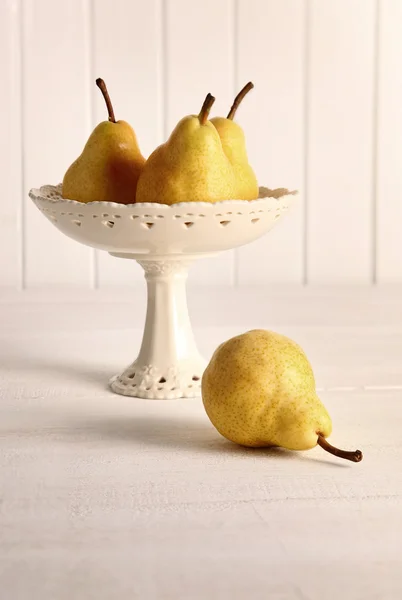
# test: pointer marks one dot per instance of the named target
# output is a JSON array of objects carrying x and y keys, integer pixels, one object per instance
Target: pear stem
[
  {"x": 249, "y": 86},
  {"x": 206, "y": 107},
  {"x": 102, "y": 86},
  {"x": 355, "y": 456}
]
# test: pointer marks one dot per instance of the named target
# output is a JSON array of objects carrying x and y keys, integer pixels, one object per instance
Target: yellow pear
[
  {"x": 259, "y": 390},
  {"x": 234, "y": 146},
  {"x": 190, "y": 167},
  {"x": 110, "y": 164}
]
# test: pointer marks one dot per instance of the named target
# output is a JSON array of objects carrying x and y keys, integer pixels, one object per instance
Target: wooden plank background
[
  {"x": 10, "y": 146},
  {"x": 56, "y": 120},
  {"x": 340, "y": 92},
  {"x": 389, "y": 143},
  {"x": 325, "y": 117}
]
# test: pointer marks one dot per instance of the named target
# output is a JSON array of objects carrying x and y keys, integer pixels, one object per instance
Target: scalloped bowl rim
[{"x": 35, "y": 193}]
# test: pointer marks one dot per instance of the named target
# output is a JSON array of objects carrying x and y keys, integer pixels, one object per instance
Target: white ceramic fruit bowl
[
  {"x": 164, "y": 240},
  {"x": 159, "y": 229}
]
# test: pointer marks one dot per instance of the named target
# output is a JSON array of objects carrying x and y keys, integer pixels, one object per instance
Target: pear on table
[
  {"x": 234, "y": 146},
  {"x": 259, "y": 390},
  {"x": 190, "y": 167},
  {"x": 110, "y": 164}
]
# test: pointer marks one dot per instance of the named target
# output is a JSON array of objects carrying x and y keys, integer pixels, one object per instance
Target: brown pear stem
[
  {"x": 206, "y": 107},
  {"x": 355, "y": 456},
  {"x": 238, "y": 99},
  {"x": 102, "y": 86}
]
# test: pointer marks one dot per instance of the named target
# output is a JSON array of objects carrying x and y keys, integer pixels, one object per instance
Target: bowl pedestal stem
[{"x": 169, "y": 364}]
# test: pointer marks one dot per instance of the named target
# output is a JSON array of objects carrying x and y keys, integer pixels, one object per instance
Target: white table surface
[{"x": 105, "y": 497}]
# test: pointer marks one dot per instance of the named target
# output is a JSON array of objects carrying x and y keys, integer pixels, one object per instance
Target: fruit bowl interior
[{"x": 159, "y": 229}]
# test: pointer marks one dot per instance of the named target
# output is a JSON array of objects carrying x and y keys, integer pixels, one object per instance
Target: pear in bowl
[
  {"x": 110, "y": 164},
  {"x": 234, "y": 146}
]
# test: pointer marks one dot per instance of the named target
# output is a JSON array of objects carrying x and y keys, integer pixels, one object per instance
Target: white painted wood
[
  {"x": 127, "y": 54},
  {"x": 389, "y": 131},
  {"x": 340, "y": 141},
  {"x": 271, "y": 54},
  {"x": 159, "y": 59},
  {"x": 200, "y": 59},
  {"x": 56, "y": 113},
  {"x": 109, "y": 497},
  {"x": 10, "y": 145}
]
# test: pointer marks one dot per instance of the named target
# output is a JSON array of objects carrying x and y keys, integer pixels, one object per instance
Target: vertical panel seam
[
  {"x": 164, "y": 71},
  {"x": 375, "y": 137},
  {"x": 235, "y": 58},
  {"x": 22, "y": 217},
  {"x": 306, "y": 120},
  {"x": 94, "y": 254}
]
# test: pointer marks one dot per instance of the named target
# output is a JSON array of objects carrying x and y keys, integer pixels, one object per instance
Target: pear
[
  {"x": 234, "y": 146},
  {"x": 110, "y": 164},
  {"x": 190, "y": 167},
  {"x": 259, "y": 390}
]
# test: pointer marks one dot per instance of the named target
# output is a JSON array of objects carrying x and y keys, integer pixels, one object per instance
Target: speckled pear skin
[
  {"x": 259, "y": 390},
  {"x": 190, "y": 167},
  {"x": 234, "y": 146},
  {"x": 108, "y": 168}
]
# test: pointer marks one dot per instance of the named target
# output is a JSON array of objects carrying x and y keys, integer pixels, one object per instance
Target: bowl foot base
[
  {"x": 169, "y": 364},
  {"x": 182, "y": 380}
]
